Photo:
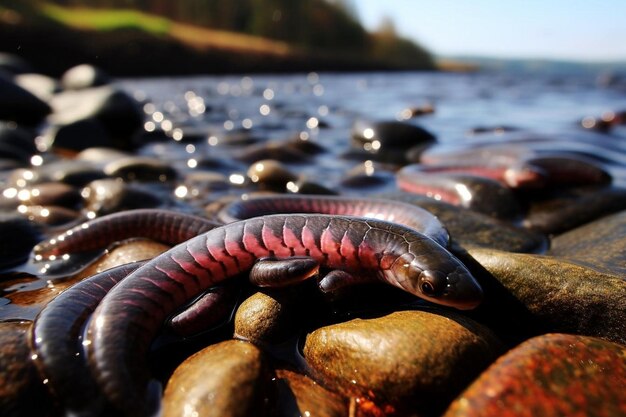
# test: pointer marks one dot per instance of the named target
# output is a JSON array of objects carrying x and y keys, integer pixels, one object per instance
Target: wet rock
[
  {"x": 54, "y": 194},
  {"x": 469, "y": 228},
  {"x": 227, "y": 379},
  {"x": 555, "y": 296},
  {"x": 131, "y": 250},
  {"x": 101, "y": 155},
  {"x": 140, "y": 169},
  {"x": 278, "y": 151},
  {"x": 112, "y": 195},
  {"x": 118, "y": 113},
  {"x": 19, "y": 236},
  {"x": 16, "y": 143},
  {"x": 40, "y": 85},
  {"x": 78, "y": 135},
  {"x": 269, "y": 317},
  {"x": 22, "y": 391},
  {"x": 570, "y": 171},
  {"x": 299, "y": 395},
  {"x": 369, "y": 174},
  {"x": 562, "y": 210},
  {"x": 70, "y": 171},
  {"x": 50, "y": 215},
  {"x": 390, "y": 141},
  {"x": 84, "y": 76},
  {"x": 417, "y": 111},
  {"x": 479, "y": 194},
  {"x": 550, "y": 375},
  {"x": 14, "y": 64},
  {"x": 407, "y": 358},
  {"x": 600, "y": 245},
  {"x": 26, "y": 297},
  {"x": 303, "y": 186},
  {"x": 19, "y": 105},
  {"x": 270, "y": 174}
]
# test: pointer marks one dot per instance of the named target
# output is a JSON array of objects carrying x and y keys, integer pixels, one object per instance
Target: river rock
[
  {"x": 22, "y": 391},
  {"x": 550, "y": 375},
  {"x": 54, "y": 194},
  {"x": 469, "y": 228},
  {"x": 270, "y": 174},
  {"x": 227, "y": 379},
  {"x": 14, "y": 64},
  {"x": 600, "y": 245},
  {"x": 305, "y": 397},
  {"x": 479, "y": 194},
  {"x": 70, "y": 171},
  {"x": 19, "y": 105},
  {"x": 40, "y": 85},
  {"x": 135, "y": 168},
  {"x": 393, "y": 134},
  {"x": 50, "y": 215},
  {"x": 110, "y": 195},
  {"x": 16, "y": 142},
  {"x": 407, "y": 358},
  {"x": 78, "y": 135},
  {"x": 269, "y": 317},
  {"x": 119, "y": 114},
  {"x": 557, "y": 296},
  {"x": 18, "y": 237},
  {"x": 564, "y": 209},
  {"x": 84, "y": 76}
]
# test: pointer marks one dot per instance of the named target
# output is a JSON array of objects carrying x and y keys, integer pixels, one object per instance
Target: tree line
[{"x": 315, "y": 24}]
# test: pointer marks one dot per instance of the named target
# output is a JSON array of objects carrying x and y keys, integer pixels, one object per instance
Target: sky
[{"x": 580, "y": 30}]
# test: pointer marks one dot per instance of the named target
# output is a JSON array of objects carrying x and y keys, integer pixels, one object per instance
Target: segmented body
[
  {"x": 161, "y": 225},
  {"x": 394, "y": 211},
  {"x": 129, "y": 317},
  {"x": 57, "y": 332}
]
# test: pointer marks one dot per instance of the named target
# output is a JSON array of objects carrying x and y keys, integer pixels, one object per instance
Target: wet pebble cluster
[{"x": 538, "y": 217}]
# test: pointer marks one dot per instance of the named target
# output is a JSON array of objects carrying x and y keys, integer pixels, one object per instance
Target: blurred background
[{"x": 159, "y": 37}]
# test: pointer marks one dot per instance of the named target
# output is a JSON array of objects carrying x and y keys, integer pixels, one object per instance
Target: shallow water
[{"x": 276, "y": 107}]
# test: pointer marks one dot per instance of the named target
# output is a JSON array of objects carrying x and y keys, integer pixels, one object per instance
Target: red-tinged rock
[
  {"x": 308, "y": 398},
  {"x": 550, "y": 375},
  {"x": 22, "y": 389}
]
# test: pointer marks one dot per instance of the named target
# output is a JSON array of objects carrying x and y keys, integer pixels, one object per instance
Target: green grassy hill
[{"x": 130, "y": 42}]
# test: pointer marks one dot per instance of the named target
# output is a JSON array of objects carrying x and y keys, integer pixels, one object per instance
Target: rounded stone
[
  {"x": 548, "y": 294},
  {"x": 228, "y": 379},
  {"x": 305, "y": 397},
  {"x": 19, "y": 105},
  {"x": 84, "y": 76},
  {"x": 550, "y": 375},
  {"x": 600, "y": 245},
  {"x": 140, "y": 169},
  {"x": 112, "y": 195},
  {"x": 407, "y": 358},
  {"x": 22, "y": 391},
  {"x": 19, "y": 236}
]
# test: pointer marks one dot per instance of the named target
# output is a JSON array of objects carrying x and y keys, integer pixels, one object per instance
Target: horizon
[{"x": 573, "y": 31}]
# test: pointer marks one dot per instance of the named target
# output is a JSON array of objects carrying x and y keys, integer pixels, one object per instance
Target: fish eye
[
  {"x": 432, "y": 283},
  {"x": 427, "y": 288}
]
